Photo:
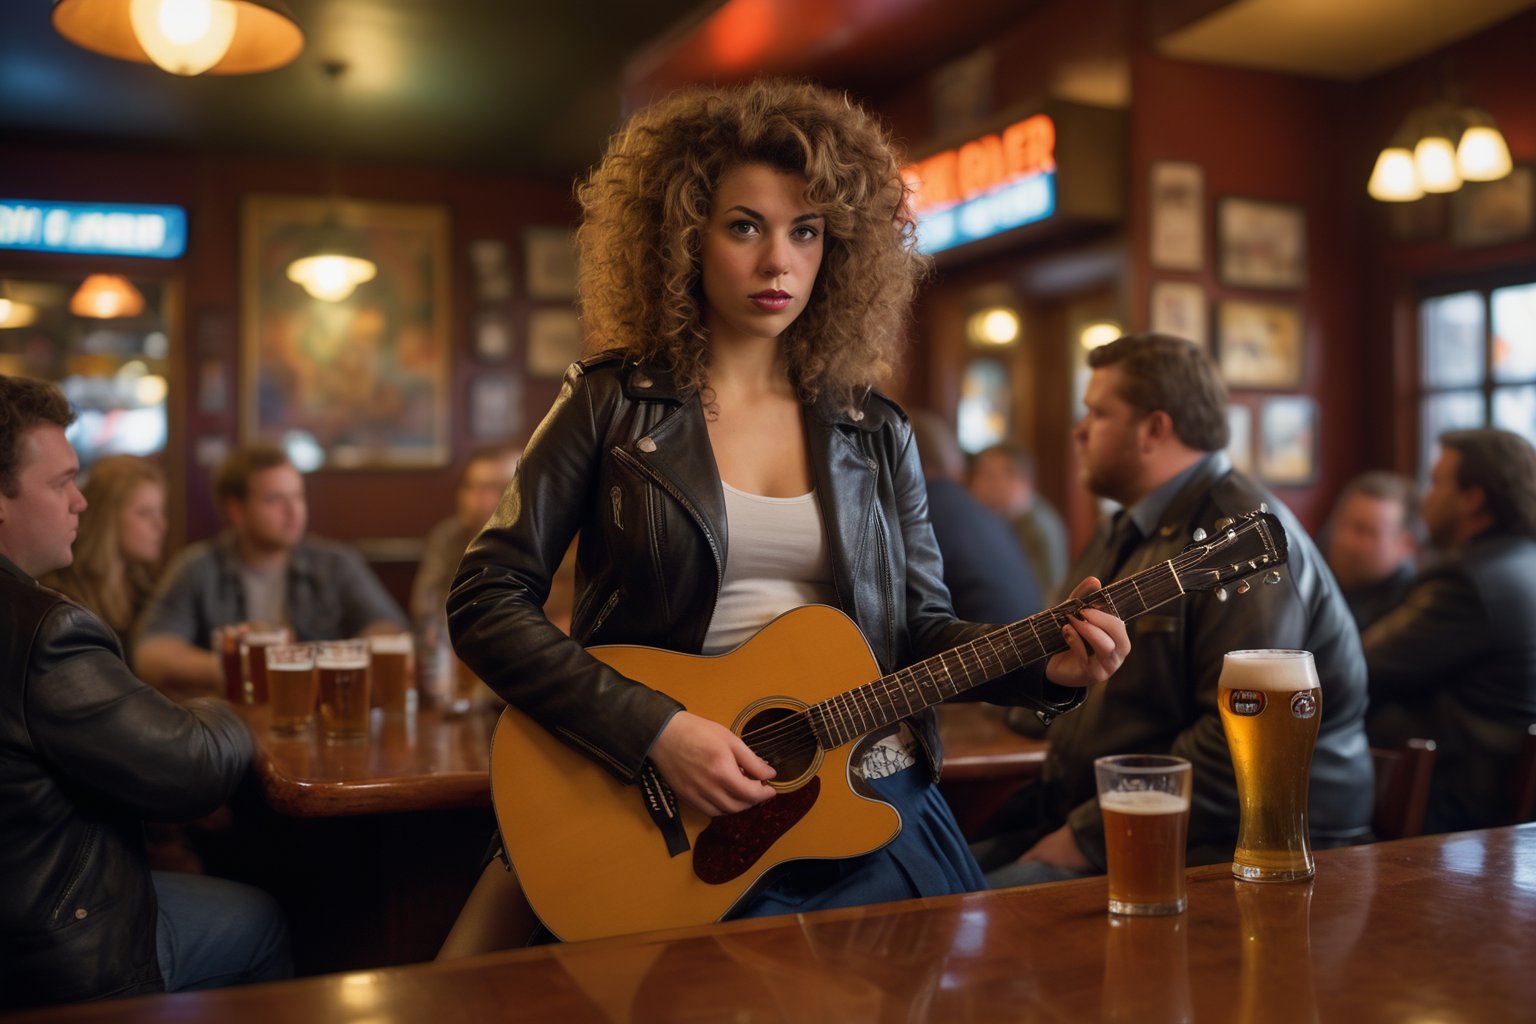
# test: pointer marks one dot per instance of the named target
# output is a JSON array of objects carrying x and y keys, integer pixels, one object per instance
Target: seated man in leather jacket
[
  {"x": 87, "y": 753},
  {"x": 1153, "y": 439}
]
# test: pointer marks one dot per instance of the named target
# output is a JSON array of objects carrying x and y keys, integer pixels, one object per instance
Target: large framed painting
[{"x": 361, "y": 382}]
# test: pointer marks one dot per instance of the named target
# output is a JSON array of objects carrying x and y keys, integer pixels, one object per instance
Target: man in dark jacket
[
  {"x": 1456, "y": 661},
  {"x": 87, "y": 752},
  {"x": 1153, "y": 439}
]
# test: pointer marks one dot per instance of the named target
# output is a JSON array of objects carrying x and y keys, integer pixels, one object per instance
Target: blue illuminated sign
[
  {"x": 94, "y": 229},
  {"x": 1010, "y": 206}
]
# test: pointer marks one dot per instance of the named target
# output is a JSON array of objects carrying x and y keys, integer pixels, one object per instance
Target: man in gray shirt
[{"x": 260, "y": 569}]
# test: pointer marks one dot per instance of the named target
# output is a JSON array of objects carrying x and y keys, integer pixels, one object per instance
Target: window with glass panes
[{"x": 1477, "y": 363}]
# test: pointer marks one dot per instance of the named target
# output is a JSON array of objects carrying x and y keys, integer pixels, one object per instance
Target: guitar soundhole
[{"x": 783, "y": 738}]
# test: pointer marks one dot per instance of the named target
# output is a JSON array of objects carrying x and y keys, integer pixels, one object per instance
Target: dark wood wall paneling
[{"x": 347, "y": 505}]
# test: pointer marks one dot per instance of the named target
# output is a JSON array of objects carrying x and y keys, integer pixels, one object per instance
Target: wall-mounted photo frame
[
  {"x": 490, "y": 262},
  {"x": 1492, "y": 212},
  {"x": 1177, "y": 224},
  {"x": 493, "y": 335},
  {"x": 495, "y": 406},
  {"x": 363, "y": 380},
  {"x": 1261, "y": 243},
  {"x": 1240, "y": 437},
  {"x": 554, "y": 341},
  {"x": 1288, "y": 441},
  {"x": 550, "y": 258},
  {"x": 1259, "y": 344},
  {"x": 1179, "y": 308}
]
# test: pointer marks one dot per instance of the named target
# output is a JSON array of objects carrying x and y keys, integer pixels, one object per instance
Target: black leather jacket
[
  {"x": 87, "y": 752},
  {"x": 1163, "y": 698},
  {"x": 624, "y": 459}
]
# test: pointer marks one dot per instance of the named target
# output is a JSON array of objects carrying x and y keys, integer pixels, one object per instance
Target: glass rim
[
  {"x": 1268, "y": 654},
  {"x": 290, "y": 649},
  {"x": 1143, "y": 763}
]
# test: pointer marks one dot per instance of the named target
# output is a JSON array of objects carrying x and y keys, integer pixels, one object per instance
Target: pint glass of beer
[
  {"x": 393, "y": 672},
  {"x": 1271, "y": 704},
  {"x": 342, "y": 666},
  {"x": 1145, "y": 802},
  {"x": 291, "y": 685},
  {"x": 253, "y": 664}
]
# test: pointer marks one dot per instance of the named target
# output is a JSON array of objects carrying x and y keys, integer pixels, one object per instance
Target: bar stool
[{"x": 1402, "y": 788}]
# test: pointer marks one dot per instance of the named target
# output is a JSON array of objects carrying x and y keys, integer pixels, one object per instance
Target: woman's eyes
[{"x": 747, "y": 228}]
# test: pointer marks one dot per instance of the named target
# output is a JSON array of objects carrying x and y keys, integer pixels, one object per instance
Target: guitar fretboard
[{"x": 907, "y": 691}]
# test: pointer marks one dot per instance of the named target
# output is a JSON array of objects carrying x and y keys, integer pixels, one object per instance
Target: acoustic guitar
[{"x": 596, "y": 857}]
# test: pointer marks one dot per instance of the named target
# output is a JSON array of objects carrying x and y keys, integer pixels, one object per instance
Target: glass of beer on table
[
  {"x": 1271, "y": 704},
  {"x": 253, "y": 667},
  {"x": 1144, "y": 799},
  {"x": 393, "y": 672},
  {"x": 226, "y": 644},
  {"x": 291, "y": 685},
  {"x": 342, "y": 667}
]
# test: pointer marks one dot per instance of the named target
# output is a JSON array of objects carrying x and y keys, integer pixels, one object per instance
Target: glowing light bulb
[
  {"x": 331, "y": 277},
  {"x": 1434, "y": 160},
  {"x": 184, "y": 37},
  {"x": 1483, "y": 155},
  {"x": 1394, "y": 179}
]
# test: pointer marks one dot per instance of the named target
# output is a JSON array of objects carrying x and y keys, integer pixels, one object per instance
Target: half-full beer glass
[
  {"x": 1144, "y": 799},
  {"x": 1271, "y": 705}
]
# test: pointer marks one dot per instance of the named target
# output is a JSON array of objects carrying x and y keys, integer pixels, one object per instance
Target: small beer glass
[
  {"x": 291, "y": 686},
  {"x": 1271, "y": 705},
  {"x": 1144, "y": 799},
  {"x": 393, "y": 672},
  {"x": 253, "y": 667},
  {"x": 342, "y": 666}
]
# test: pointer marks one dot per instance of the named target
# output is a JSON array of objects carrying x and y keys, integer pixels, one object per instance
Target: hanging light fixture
[
  {"x": 334, "y": 262},
  {"x": 185, "y": 37},
  {"x": 106, "y": 297},
  {"x": 1482, "y": 154}
]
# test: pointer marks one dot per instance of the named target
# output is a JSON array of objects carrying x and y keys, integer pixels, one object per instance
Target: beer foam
[
  {"x": 391, "y": 643},
  {"x": 1142, "y": 801},
  {"x": 1270, "y": 671},
  {"x": 290, "y": 666},
  {"x": 341, "y": 662}
]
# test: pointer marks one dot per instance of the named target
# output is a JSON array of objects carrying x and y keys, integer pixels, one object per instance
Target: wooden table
[
  {"x": 370, "y": 847},
  {"x": 1437, "y": 928},
  {"x": 985, "y": 761},
  {"x": 423, "y": 761}
]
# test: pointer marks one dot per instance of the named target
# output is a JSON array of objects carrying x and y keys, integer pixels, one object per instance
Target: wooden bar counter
[{"x": 1437, "y": 928}]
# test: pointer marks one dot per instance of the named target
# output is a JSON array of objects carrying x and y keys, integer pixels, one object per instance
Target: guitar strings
[{"x": 789, "y": 735}]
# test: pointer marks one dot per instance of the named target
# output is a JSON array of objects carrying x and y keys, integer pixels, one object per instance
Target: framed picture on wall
[
  {"x": 550, "y": 255},
  {"x": 362, "y": 380},
  {"x": 495, "y": 406},
  {"x": 1240, "y": 437},
  {"x": 1259, "y": 344},
  {"x": 1288, "y": 440},
  {"x": 1177, "y": 216},
  {"x": 1260, "y": 243},
  {"x": 490, "y": 260},
  {"x": 1490, "y": 212},
  {"x": 554, "y": 341},
  {"x": 1178, "y": 308}
]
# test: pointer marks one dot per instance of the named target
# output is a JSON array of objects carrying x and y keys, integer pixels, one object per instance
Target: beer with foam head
[
  {"x": 342, "y": 667},
  {"x": 1271, "y": 705},
  {"x": 1144, "y": 800},
  {"x": 392, "y": 671},
  {"x": 291, "y": 683}
]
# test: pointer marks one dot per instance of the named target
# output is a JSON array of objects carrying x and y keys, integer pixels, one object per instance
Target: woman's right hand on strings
[{"x": 710, "y": 767}]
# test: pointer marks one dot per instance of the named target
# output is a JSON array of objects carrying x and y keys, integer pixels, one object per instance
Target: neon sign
[
  {"x": 989, "y": 185},
  {"x": 94, "y": 229}
]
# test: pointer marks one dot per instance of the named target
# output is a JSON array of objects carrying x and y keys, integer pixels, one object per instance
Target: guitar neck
[{"x": 887, "y": 700}]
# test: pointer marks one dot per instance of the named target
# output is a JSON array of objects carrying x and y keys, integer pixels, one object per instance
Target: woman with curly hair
[
  {"x": 747, "y": 260},
  {"x": 119, "y": 548}
]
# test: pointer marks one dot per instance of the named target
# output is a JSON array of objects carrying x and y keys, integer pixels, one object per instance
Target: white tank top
[{"x": 776, "y": 560}]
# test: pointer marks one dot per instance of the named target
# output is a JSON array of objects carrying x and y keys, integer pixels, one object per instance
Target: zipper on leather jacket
[
  {"x": 688, "y": 506},
  {"x": 616, "y": 497},
  {"x": 76, "y": 872},
  {"x": 602, "y": 613}
]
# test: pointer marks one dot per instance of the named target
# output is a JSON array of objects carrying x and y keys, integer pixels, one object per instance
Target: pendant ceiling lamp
[
  {"x": 106, "y": 297},
  {"x": 335, "y": 260},
  {"x": 185, "y": 37}
]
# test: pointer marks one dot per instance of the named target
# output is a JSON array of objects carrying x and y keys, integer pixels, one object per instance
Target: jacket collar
[
  {"x": 870, "y": 412},
  {"x": 6, "y": 565}
]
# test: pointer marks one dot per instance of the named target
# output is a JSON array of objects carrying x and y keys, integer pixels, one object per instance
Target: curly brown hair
[{"x": 646, "y": 204}]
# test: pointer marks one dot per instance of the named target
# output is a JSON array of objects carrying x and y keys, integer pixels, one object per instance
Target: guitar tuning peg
[
  {"x": 1264, "y": 506},
  {"x": 1272, "y": 577},
  {"x": 1223, "y": 522},
  {"x": 1243, "y": 587},
  {"x": 1199, "y": 534},
  {"x": 1221, "y": 593}
]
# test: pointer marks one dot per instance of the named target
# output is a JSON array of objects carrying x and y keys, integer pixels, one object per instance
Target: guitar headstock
[{"x": 1252, "y": 543}]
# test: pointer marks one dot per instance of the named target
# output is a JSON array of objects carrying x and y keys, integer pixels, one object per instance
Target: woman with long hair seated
[{"x": 119, "y": 549}]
